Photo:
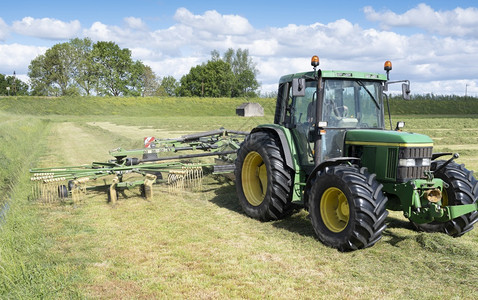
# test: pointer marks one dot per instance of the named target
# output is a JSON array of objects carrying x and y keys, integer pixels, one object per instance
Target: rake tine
[
  {"x": 113, "y": 195},
  {"x": 148, "y": 186}
]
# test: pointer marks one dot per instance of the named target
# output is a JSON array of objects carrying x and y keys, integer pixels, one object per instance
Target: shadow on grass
[
  {"x": 297, "y": 222},
  {"x": 393, "y": 238},
  {"x": 226, "y": 197},
  {"x": 398, "y": 223}
]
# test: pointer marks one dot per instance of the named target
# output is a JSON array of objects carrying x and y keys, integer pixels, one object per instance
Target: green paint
[{"x": 379, "y": 137}]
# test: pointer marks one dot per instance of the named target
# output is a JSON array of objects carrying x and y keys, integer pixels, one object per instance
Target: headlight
[
  {"x": 426, "y": 162},
  {"x": 411, "y": 162},
  {"x": 407, "y": 162}
]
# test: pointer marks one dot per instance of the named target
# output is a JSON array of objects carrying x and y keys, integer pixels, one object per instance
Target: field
[{"x": 198, "y": 244}]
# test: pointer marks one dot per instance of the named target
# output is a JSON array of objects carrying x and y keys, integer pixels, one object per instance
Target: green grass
[
  {"x": 200, "y": 244},
  {"x": 449, "y": 134},
  {"x": 457, "y": 106},
  {"x": 27, "y": 269},
  {"x": 187, "y": 106},
  {"x": 128, "y": 106}
]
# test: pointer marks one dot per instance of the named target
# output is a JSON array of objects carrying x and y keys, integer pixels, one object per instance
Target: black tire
[
  {"x": 71, "y": 185},
  {"x": 462, "y": 189},
  {"x": 263, "y": 181},
  {"x": 347, "y": 208},
  {"x": 62, "y": 192}
]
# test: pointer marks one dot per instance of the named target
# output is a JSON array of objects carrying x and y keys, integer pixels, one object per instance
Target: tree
[
  {"x": 51, "y": 73},
  {"x": 245, "y": 72},
  {"x": 150, "y": 82},
  {"x": 12, "y": 86},
  {"x": 169, "y": 85},
  {"x": 39, "y": 77},
  {"x": 112, "y": 66},
  {"x": 84, "y": 71},
  {"x": 215, "y": 55},
  {"x": 137, "y": 80},
  {"x": 212, "y": 79},
  {"x": 232, "y": 76}
]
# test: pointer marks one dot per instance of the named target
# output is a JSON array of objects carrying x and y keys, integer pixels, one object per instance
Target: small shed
[{"x": 250, "y": 109}]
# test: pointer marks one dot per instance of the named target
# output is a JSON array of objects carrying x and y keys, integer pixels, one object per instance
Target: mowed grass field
[{"x": 199, "y": 244}]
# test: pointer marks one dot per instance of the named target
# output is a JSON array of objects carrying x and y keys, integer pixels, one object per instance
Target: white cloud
[
  {"x": 143, "y": 53},
  {"x": 458, "y": 22},
  {"x": 133, "y": 34},
  {"x": 99, "y": 31},
  {"x": 175, "y": 67},
  {"x": 267, "y": 47},
  {"x": 214, "y": 22},
  {"x": 47, "y": 28},
  {"x": 135, "y": 23},
  {"x": 16, "y": 57}
]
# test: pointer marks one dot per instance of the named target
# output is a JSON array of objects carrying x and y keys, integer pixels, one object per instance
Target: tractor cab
[{"x": 321, "y": 106}]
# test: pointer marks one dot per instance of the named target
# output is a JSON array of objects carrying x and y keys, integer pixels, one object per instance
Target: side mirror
[
  {"x": 406, "y": 91},
  {"x": 298, "y": 87}
]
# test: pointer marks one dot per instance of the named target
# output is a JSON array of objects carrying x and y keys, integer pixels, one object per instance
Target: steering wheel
[{"x": 341, "y": 111}]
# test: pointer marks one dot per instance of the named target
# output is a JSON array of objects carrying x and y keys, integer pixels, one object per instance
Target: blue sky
[{"x": 430, "y": 42}]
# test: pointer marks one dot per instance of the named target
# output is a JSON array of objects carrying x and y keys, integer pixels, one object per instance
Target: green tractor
[{"x": 328, "y": 151}]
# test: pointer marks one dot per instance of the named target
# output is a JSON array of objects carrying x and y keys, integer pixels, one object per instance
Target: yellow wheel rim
[
  {"x": 254, "y": 178},
  {"x": 444, "y": 198},
  {"x": 334, "y": 209}
]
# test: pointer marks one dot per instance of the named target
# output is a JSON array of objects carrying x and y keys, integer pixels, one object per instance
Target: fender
[
  {"x": 322, "y": 166},
  {"x": 291, "y": 158},
  {"x": 286, "y": 141}
]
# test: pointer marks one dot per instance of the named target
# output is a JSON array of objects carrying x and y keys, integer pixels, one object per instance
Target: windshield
[{"x": 352, "y": 104}]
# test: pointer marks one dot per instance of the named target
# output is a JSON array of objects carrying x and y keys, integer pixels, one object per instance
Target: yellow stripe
[{"x": 389, "y": 144}]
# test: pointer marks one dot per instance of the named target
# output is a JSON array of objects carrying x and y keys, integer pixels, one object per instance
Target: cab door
[{"x": 302, "y": 114}]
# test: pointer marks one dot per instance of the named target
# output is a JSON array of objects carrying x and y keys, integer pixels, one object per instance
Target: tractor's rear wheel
[
  {"x": 347, "y": 208},
  {"x": 263, "y": 181},
  {"x": 462, "y": 189}
]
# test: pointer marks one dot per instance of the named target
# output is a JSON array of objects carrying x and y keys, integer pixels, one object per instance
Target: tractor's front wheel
[
  {"x": 462, "y": 189},
  {"x": 263, "y": 181},
  {"x": 347, "y": 208}
]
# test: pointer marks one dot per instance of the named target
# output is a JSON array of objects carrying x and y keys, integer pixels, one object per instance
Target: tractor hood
[
  {"x": 373, "y": 137},
  {"x": 394, "y": 156}
]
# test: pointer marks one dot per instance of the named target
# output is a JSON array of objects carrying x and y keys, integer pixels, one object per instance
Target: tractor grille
[
  {"x": 418, "y": 154},
  {"x": 422, "y": 152},
  {"x": 392, "y": 163}
]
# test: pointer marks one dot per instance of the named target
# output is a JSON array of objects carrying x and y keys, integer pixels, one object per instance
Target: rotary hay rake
[{"x": 142, "y": 168}]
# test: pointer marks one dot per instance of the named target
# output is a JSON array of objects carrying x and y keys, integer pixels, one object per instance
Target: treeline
[
  {"x": 11, "y": 85},
  {"x": 83, "y": 68},
  {"x": 80, "y": 67}
]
